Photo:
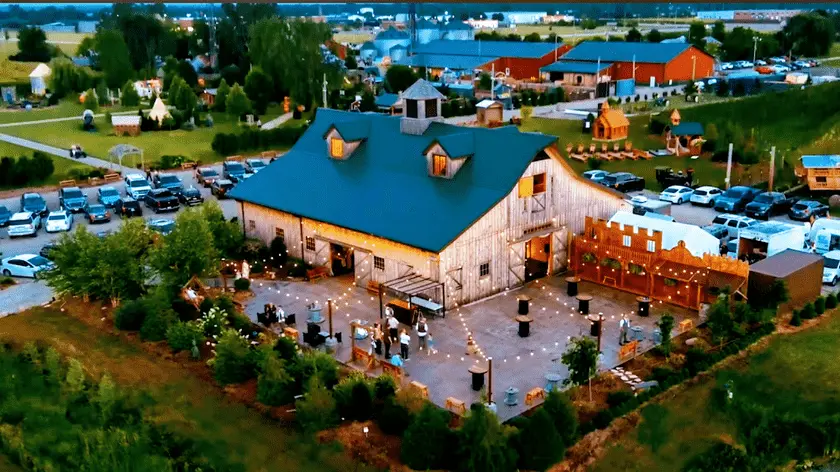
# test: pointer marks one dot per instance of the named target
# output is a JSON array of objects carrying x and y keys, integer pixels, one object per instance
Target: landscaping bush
[
  {"x": 171, "y": 162},
  {"x": 275, "y": 386},
  {"x": 539, "y": 444},
  {"x": 312, "y": 364},
  {"x": 252, "y": 139},
  {"x": 297, "y": 267},
  {"x": 286, "y": 348},
  {"x": 602, "y": 419},
  {"x": 384, "y": 388},
  {"x": 720, "y": 457},
  {"x": 157, "y": 322},
  {"x": 206, "y": 305},
  {"x": 660, "y": 374},
  {"x": 808, "y": 312},
  {"x": 696, "y": 360},
  {"x": 393, "y": 418},
  {"x": 562, "y": 411},
  {"x": 617, "y": 398},
  {"x": 233, "y": 361},
  {"x": 316, "y": 410},
  {"x": 796, "y": 319},
  {"x": 819, "y": 305},
  {"x": 213, "y": 322},
  {"x": 181, "y": 336},
  {"x": 354, "y": 397},
  {"x": 130, "y": 315},
  {"x": 242, "y": 284},
  {"x": 831, "y": 301},
  {"x": 428, "y": 442}
]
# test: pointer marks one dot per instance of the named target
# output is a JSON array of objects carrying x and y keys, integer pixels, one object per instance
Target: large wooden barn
[{"x": 467, "y": 212}]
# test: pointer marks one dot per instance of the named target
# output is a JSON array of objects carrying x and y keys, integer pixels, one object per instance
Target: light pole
[
  {"x": 756, "y": 40},
  {"x": 693, "y": 66}
]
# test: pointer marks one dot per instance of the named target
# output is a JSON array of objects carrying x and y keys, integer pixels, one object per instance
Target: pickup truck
[
  {"x": 624, "y": 182},
  {"x": 161, "y": 199},
  {"x": 768, "y": 204},
  {"x": 735, "y": 199}
]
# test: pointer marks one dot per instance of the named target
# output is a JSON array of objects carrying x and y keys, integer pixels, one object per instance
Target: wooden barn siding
[
  {"x": 526, "y": 68},
  {"x": 679, "y": 69},
  {"x": 397, "y": 256},
  {"x": 569, "y": 199}
]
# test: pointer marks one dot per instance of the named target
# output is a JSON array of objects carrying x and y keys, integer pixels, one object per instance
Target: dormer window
[
  {"x": 337, "y": 148},
  {"x": 439, "y": 162}
]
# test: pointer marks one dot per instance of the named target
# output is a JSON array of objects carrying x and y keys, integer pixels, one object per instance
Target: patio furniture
[
  {"x": 685, "y": 325},
  {"x": 551, "y": 381},
  {"x": 583, "y": 303},
  {"x": 512, "y": 396},
  {"x": 537, "y": 393},
  {"x": 314, "y": 310},
  {"x": 477, "y": 372},
  {"x": 455, "y": 406},
  {"x": 595, "y": 326},
  {"x": 291, "y": 333},
  {"x": 644, "y": 306},
  {"x": 657, "y": 336},
  {"x": 645, "y": 385},
  {"x": 524, "y": 325},
  {"x": 572, "y": 286},
  {"x": 523, "y": 302},
  {"x": 638, "y": 333},
  {"x": 422, "y": 389}
]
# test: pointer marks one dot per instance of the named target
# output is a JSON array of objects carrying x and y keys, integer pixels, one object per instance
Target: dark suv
[
  {"x": 34, "y": 203},
  {"x": 170, "y": 182},
  {"x": 624, "y": 182},
  {"x": 736, "y": 198},
  {"x": 72, "y": 199},
  {"x": 161, "y": 199},
  {"x": 127, "y": 207},
  {"x": 768, "y": 204},
  {"x": 234, "y": 171}
]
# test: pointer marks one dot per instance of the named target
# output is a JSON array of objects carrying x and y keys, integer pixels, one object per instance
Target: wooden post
[
  {"x": 729, "y": 167},
  {"x": 329, "y": 314},
  {"x": 772, "y": 167},
  {"x": 489, "y": 380}
]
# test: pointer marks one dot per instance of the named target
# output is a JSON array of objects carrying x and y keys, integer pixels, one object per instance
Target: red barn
[{"x": 678, "y": 62}]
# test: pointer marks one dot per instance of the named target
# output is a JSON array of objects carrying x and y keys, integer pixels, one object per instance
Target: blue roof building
[
  {"x": 390, "y": 197},
  {"x": 821, "y": 161}
]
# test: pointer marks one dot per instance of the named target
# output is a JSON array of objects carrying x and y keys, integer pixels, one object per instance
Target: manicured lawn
[
  {"x": 62, "y": 166},
  {"x": 65, "y": 109},
  {"x": 794, "y": 374},
  {"x": 189, "y": 405}
]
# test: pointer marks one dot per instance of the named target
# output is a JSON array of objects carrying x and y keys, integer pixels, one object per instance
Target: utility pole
[
  {"x": 324, "y": 89},
  {"x": 329, "y": 315},
  {"x": 756, "y": 40},
  {"x": 729, "y": 167},
  {"x": 772, "y": 167},
  {"x": 693, "y": 66}
]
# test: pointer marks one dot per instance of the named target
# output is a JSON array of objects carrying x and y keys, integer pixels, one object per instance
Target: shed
[
  {"x": 38, "y": 79},
  {"x": 611, "y": 124},
  {"x": 489, "y": 111},
  {"x": 126, "y": 125},
  {"x": 390, "y": 103},
  {"x": 801, "y": 272}
]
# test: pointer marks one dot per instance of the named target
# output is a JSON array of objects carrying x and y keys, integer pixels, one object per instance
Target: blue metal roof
[
  {"x": 444, "y": 61},
  {"x": 576, "y": 67},
  {"x": 392, "y": 33},
  {"x": 821, "y": 161},
  {"x": 352, "y": 130},
  {"x": 615, "y": 51},
  {"x": 456, "y": 26},
  {"x": 368, "y": 45},
  {"x": 492, "y": 49},
  {"x": 384, "y": 188},
  {"x": 387, "y": 100}
]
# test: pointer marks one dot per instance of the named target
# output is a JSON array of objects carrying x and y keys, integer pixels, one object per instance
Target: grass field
[
  {"x": 62, "y": 166},
  {"x": 183, "y": 402},
  {"x": 65, "y": 109},
  {"x": 794, "y": 374}
]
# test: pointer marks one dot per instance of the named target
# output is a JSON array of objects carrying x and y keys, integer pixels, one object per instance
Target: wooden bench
[
  {"x": 536, "y": 393},
  {"x": 317, "y": 273},
  {"x": 456, "y": 406},
  {"x": 67, "y": 183},
  {"x": 628, "y": 351},
  {"x": 392, "y": 370},
  {"x": 291, "y": 333},
  {"x": 360, "y": 355},
  {"x": 686, "y": 325},
  {"x": 373, "y": 287},
  {"x": 189, "y": 165},
  {"x": 113, "y": 177},
  {"x": 421, "y": 388}
]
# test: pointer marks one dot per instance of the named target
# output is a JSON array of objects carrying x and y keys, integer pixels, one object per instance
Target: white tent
[
  {"x": 697, "y": 241},
  {"x": 159, "y": 112},
  {"x": 38, "y": 79}
]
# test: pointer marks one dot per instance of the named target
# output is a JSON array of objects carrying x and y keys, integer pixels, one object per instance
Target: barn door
[
  {"x": 516, "y": 263},
  {"x": 538, "y": 202},
  {"x": 322, "y": 254},
  {"x": 404, "y": 269},
  {"x": 363, "y": 266},
  {"x": 454, "y": 286},
  {"x": 559, "y": 250}
]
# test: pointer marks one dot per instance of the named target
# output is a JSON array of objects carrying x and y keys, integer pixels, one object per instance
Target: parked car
[
  {"x": 170, "y": 182},
  {"x": 768, "y": 204},
  {"x": 624, "y": 182},
  {"x": 161, "y": 225},
  {"x": 127, "y": 207},
  {"x": 25, "y": 265},
  {"x": 34, "y": 203},
  {"x": 803, "y": 210},
  {"x": 779, "y": 68},
  {"x": 97, "y": 213},
  {"x": 234, "y": 171},
  {"x": 206, "y": 176},
  {"x": 61, "y": 220},
  {"x": 24, "y": 224},
  {"x": 596, "y": 175},
  {"x": 108, "y": 196},
  {"x": 803, "y": 64},
  {"x": 255, "y": 165},
  {"x": 734, "y": 223},
  {"x": 137, "y": 186},
  {"x": 726, "y": 66},
  {"x": 72, "y": 199},
  {"x": 47, "y": 249},
  {"x": 676, "y": 194},
  {"x": 736, "y": 198},
  {"x": 161, "y": 199},
  {"x": 760, "y": 62},
  {"x": 220, "y": 188},
  {"x": 190, "y": 197},
  {"x": 5, "y": 215},
  {"x": 705, "y": 195},
  {"x": 831, "y": 268}
]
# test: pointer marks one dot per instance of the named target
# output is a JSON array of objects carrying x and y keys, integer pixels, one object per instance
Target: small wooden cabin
[
  {"x": 611, "y": 124},
  {"x": 821, "y": 172},
  {"x": 489, "y": 111},
  {"x": 126, "y": 125}
]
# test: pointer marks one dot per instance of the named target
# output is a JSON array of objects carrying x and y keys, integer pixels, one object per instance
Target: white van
[{"x": 831, "y": 267}]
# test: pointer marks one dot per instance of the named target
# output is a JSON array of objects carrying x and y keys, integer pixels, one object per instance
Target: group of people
[{"x": 384, "y": 335}]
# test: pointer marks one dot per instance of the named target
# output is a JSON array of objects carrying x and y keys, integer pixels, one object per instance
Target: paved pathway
[
  {"x": 57, "y": 120},
  {"x": 277, "y": 121},
  {"x": 64, "y": 153},
  {"x": 24, "y": 295}
]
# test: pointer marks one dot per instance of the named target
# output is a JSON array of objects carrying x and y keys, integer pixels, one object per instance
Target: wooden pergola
[{"x": 412, "y": 292}]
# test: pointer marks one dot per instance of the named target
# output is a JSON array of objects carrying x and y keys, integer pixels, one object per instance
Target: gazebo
[
  {"x": 610, "y": 124},
  {"x": 121, "y": 150}
]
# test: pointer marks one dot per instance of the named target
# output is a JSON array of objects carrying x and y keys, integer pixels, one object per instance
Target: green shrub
[
  {"x": 182, "y": 335},
  {"x": 157, "y": 322},
  {"x": 275, "y": 386},
  {"x": 233, "y": 361},
  {"x": 384, "y": 388},
  {"x": 539, "y": 445},
  {"x": 171, "y": 162},
  {"x": 286, "y": 348},
  {"x": 808, "y": 312},
  {"x": 278, "y": 251},
  {"x": 393, "y": 418},
  {"x": 316, "y": 410},
  {"x": 206, "y": 305},
  {"x": 819, "y": 305},
  {"x": 428, "y": 442},
  {"x": 354, "y": 397},
  {"x": 213, "y": 322},
  {"x": 240, "y": 322},
  {"x": 315, "y": 363},
  {"x": 796, "y": 319},
  {"x": 602, "y": 419},
  {"x": 619, "y": 397},
  {"x": 563, "y": 413},
  {"x": 721, "y": 456},
  {"x": 831, "y": 301},
  {"x": 242, "y": 284},
  {"x": 225, "y": 303},
  {"x": 297, "y": 267},
  {"x": 130, "y": 315},
  {"x": 11, "y": 281},
  {"x": 696, "y": 360}
]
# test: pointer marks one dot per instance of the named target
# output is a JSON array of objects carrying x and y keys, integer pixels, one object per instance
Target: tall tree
[
  {"x": 532, "y": 38},
  {"x": 146, "y": 38},
  {"x": 259, "y": 88},
  {"x": 809, "y": 34},
  {"x": 237, "y": 103},
  {"x": 222, "y": 93},
  {"x": 634, "y": 36},
  {"x": 483, "y": 443},
  {"x": 290, "y": 52},
  {"x": 738, "y": 44},
  {"x": 581, "y": 357},
  {"x": 697, "y": 34},
  {"x": 233, "y": 31},
  {"x": 719, "y": 30},
  {"x": 654, "y": 36},
  {"x": 86, "y": 47},
  {"x": 540, "y": 445},
  {"x": 187, "y": 251},
  {"x": 399, "y": 78},
  {"x": 32, "y": 45},
  {"x": 129, "y": 96},
  {"x": 113, "y": 57}
]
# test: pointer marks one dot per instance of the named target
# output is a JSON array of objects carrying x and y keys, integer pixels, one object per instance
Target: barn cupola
[
  {"x": 343, "y": 137},
  {"x": 422, "y": 106}
]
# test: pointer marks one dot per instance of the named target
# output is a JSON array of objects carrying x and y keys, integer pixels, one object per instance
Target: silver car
[{"x": 24, "y": 224}]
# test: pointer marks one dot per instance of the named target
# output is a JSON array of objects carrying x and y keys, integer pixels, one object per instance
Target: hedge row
[{"x": 252, "y": 139}]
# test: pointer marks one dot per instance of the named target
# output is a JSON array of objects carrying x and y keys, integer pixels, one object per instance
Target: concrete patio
[{"x": 518, "y": 362}]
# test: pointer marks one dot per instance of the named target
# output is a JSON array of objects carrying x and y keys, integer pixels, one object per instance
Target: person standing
[
  {"x": 393, "y": 327},
  {"x": 387, "y": 340},
  {"x": 422, "y": 331},
  {"x": 377, "y": 336},
  {"x": 405, "y": 341},
  {"x": 624, "y": 327}
]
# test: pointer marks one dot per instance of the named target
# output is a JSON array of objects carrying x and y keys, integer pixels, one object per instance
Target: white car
[
  {"x": 705, "y": 195},
  {"x": 59, "y": 221},
  {"x": 595, "y": 175},
  {"x": 676, "y": 194},
  {"x": 760, "y": 62},
  {"x": 831, "y": 267},
  {"x": 24, "y": 265},
  {"x": 726, "y": 66},
  {"x": 777, "y": 68},
  {"x": 24, "y": 224},
  {"x": 136, "y": 186},
  {"x": 734, "y": 223}
]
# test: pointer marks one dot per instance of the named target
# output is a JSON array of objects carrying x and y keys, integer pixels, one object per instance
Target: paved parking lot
[{"x": 12, "y": 247}]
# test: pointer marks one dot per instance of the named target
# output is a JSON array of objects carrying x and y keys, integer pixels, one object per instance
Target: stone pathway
[
  {"x": 277, "y": 121},
  {"x": 626, "y": 376}
]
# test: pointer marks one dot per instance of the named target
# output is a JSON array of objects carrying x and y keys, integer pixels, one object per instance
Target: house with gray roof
[{"x": 463, "y": 212}]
